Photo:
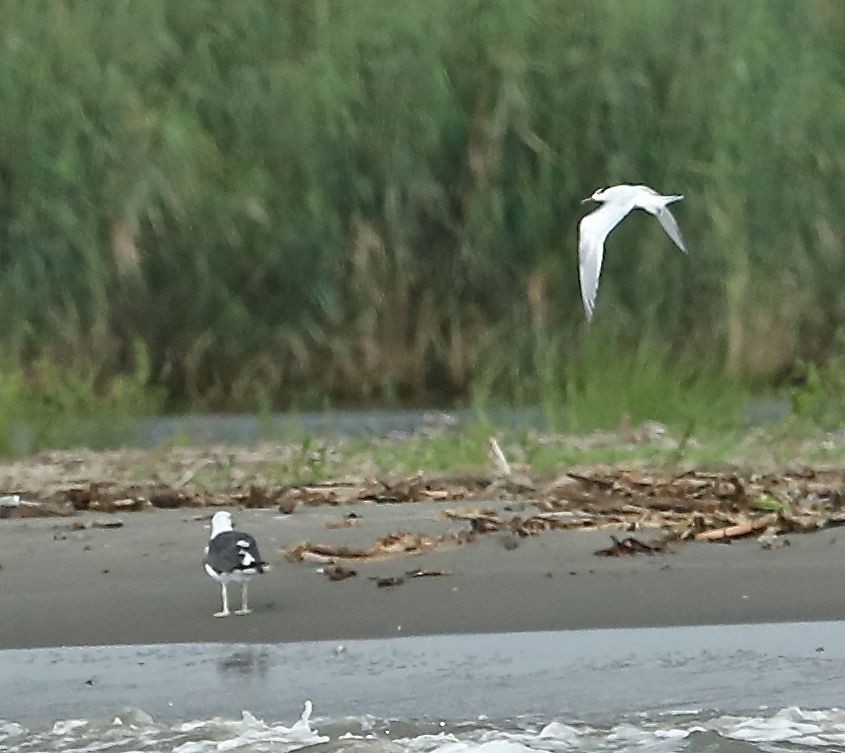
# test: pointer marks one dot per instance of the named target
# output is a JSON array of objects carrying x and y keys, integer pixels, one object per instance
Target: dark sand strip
[{"x": 144, "y": 583}]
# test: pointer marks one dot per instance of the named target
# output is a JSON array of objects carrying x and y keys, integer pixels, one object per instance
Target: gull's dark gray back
[{"x": 227, "y": 553}]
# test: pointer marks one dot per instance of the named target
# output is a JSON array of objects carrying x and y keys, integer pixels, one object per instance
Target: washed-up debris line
[
  {"x": 691, "y": 506},
  {"x": 98, "y": 497},
  {"x": 709, "y": 506},
  {"x": 704, "y": 506}
]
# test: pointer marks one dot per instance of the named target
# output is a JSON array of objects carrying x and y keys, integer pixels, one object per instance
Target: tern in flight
[{"x": 616, "y": 203}]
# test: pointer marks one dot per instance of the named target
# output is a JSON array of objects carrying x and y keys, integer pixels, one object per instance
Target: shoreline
[
  {"x": 143, "y": 583},
  {"x": 593, "y": 677}
]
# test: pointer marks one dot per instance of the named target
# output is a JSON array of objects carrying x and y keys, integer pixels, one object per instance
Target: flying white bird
[{"x": 616, "y": 203}]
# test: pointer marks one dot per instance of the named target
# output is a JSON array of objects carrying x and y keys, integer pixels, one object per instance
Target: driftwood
[
  {"x": 740, "y": 529},
  {"x": 402, "y": 544}
]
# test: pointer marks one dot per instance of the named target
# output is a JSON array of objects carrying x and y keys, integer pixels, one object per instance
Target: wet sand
[
  {"x": 595, "y": 676},
  {"x": 144, "y": 583}
]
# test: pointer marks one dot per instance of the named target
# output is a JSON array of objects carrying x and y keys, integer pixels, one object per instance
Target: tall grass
[
  {"x": 43, "y": 406},
  {"x": 377, "y": 201}
]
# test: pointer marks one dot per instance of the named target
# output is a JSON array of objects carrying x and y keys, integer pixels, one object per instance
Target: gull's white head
[
  {"x": 221, "y": 522},
  {"x": 597, "y": 195}
]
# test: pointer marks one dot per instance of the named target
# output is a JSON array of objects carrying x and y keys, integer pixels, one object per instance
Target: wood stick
[
  {"x": 499, "y": 458},
  {"x": 740, "y": 529}
]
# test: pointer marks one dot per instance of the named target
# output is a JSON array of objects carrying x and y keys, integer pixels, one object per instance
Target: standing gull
[
  {"x": 231, "y": 557},
  {"x": 616, "y": 203}
]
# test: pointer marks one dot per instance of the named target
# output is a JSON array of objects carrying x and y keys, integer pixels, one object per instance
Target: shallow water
[
  {"x": 704, "y": 689},
  {"x": 790, "y": 729},
  {"x": 595, "y": 675},
  {"x": 241, "y": 428}
]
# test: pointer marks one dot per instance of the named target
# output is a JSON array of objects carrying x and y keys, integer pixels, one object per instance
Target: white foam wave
[
  {"x": 135, "y": 730},
  {"x": 797, "y": 727},
  {"x": 791, "y": 725},
  {"x": 249, "y": 732}
]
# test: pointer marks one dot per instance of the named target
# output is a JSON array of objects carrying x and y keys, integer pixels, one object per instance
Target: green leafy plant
[
  {"x": 49, "y": 407},
  {"x": 370, "y": 203}
]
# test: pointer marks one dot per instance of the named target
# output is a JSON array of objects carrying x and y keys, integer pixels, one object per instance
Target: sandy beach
[{"x": 143, "y": 583}]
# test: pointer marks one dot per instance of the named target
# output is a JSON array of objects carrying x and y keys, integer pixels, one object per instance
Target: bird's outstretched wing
[
  {"x": 592, "y": 232},
  {"x": 670, "y": 225}
]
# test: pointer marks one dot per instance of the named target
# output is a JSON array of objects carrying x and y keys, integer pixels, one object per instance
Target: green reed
[{"x": 314, "y": 202}]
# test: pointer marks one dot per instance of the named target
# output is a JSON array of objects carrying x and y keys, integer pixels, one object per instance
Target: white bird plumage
[
  {"x": 231, "y": 557},
  {"x": 616, "y": 203}
]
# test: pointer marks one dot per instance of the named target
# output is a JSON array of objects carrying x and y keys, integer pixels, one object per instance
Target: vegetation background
[{"x": 299, "y": 203}]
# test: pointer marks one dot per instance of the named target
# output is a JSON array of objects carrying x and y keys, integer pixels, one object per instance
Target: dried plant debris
[
  {"x": 108, "y": 523},
  {"x": 769, "y": 539},
  {"x": 400, "y": 544},
  {"x": 418, "y": 572},
  {"x": 95, "y": 497},
  {"x": 349, "y": 521},
  {"x": 629, "y": 546},
  {"x": 488, "y": 521},
  {"x": 288, "y": 504},
  {"x": 743, "y": 527},
  {"x": 388, "y": 581},
  {"x": 693, "y": 505},
  {"x": 704, "y": 506},
  {"x": 337, "y": 572},
  {"x": 413, "y": 489},
  {"x": 13, "y": 506}
]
